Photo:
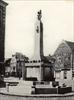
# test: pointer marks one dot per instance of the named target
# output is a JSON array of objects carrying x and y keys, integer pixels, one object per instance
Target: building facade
[
  {"x": 64, "y": 61},
  {"x": 7, "y": 67},
  {"x": 13, "y": 66},
  {"x": 17, "y": 63},
  {"x": 2, "y": 34}
]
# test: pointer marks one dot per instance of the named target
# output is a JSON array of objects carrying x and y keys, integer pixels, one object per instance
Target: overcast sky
[{"x": 57, "y": 18}]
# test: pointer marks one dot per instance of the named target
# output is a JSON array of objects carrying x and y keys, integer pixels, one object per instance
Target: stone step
[
  {"x": 21, "y": 90},
  {"x": 22, "y": 87},
  {"x": 27, "y": 83}
]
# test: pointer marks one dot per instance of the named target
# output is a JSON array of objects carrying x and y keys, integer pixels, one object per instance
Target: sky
[{"x": 57, "y": 18}]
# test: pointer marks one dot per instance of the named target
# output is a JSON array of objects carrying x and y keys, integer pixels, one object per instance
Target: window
[
  {"x": 39, "y": 61},
  {"x": 73, "y": 73},
  {"x": 57, "y": 75},
  {"x": 13, "y": 68},
  {"x": 65, "y": 74}
]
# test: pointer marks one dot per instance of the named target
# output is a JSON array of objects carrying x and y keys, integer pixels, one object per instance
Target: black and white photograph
[{"x": 36, "y": 49}]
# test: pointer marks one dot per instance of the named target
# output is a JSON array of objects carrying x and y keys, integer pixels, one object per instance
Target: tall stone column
[{"x": 38, "y": 48}]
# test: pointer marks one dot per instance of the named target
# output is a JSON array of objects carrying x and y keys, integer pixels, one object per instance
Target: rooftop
[{"x": 71, "y": 45}]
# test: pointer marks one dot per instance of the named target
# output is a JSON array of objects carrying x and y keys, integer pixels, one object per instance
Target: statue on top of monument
[{"x": 39, "y": 15}]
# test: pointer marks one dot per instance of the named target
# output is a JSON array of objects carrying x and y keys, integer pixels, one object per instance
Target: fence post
[{"x": 7, "y": 87}]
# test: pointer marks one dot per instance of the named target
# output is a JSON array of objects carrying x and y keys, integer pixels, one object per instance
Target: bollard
[
  {"x": 7, "y": 87},
  {"x": 33, "y": 90}
]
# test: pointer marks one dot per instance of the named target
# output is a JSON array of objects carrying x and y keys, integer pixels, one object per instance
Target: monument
[
  {"x": 38, "y": 67},
  {"x": 39, "y": 70}
]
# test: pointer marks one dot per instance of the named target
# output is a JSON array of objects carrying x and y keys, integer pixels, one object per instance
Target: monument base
[{"x": 48, "y": 88}]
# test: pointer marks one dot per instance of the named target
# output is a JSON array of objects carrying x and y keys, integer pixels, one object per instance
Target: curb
[{"x": 39, "y": 96}]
